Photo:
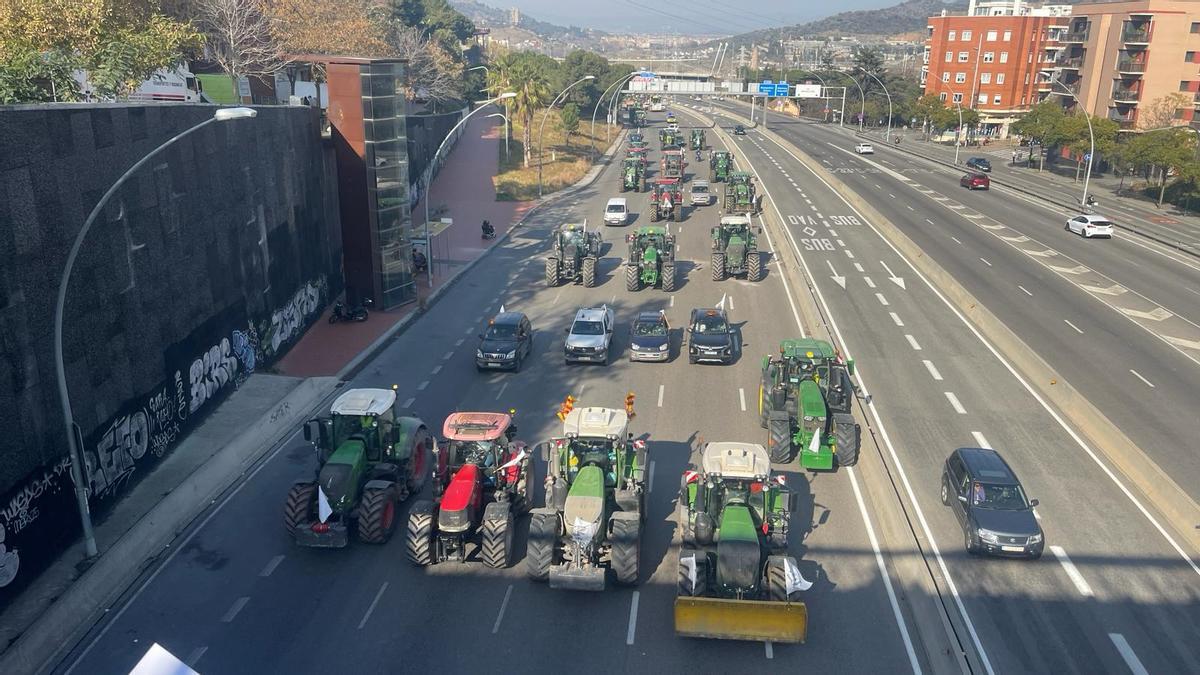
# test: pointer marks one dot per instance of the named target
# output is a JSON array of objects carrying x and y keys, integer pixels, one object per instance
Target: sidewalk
[{"x": 464, "y": 186}]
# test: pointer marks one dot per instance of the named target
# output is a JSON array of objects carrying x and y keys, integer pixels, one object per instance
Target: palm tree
[{"x": 532, "y": 88}]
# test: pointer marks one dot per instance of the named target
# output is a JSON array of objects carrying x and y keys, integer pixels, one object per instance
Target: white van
[
  {"x": 616, "y": 212},
  {"x": 700, "y": 194}
]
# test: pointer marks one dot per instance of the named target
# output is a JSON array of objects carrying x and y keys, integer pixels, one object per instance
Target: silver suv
[{"x": 590, "y": 335}]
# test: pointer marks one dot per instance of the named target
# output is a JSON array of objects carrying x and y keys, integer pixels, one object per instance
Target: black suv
[
  {"x": 739, "y": 130},
  {"x": 979, "y": 164},
  {"x": 986, "y": 497},
  {"x": 709, "y": 336},
  {"x": 508, "y": 340}
]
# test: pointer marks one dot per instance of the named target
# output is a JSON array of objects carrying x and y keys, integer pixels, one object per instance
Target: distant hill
[
  {"x": 905, "y": 17},
  {"x": 492, "y": 17}
]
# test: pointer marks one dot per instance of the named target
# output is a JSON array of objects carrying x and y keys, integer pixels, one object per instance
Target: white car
[
  {"x": 700, "y": 194},
  {"x": 590, "y": 335},
  {"x": 1090, "y": 226},
  {"x": 616, "y": 212},
  {"x": 864, "y": 149}
]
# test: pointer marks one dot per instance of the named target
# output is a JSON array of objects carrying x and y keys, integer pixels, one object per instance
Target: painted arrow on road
[
  {"x": 1156, "y": 314},
  {"x": 840, "y": 281},
  {"x": 1180, "y": 342},
  {"x": 895, "y": 279}
]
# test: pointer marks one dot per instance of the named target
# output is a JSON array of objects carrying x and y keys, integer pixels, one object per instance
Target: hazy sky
[{"x": 689, "y": 16}]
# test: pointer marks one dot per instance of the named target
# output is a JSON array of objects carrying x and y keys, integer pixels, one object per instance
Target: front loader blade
[
  {"x": 577, "y": 578},
  {"x": 741, "y": 619}
]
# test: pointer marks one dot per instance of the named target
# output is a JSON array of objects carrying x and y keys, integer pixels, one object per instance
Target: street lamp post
[
  {"x": 887, "y": 136},
  {"x": 1091, "y": 140},
  {"x": 596, "y": 109},
  {"x": 64, "y": 396},
  {"x": 957, "y": 105},
  {"x": 542, "y": 128},
  {"x": 862, "y": 112},
  {"x": 505, "y": 131},
  {"x": 429, "y": 177}
]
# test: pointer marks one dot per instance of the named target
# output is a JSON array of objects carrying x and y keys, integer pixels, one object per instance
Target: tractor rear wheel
[
  {"x": 678, "y": 215},
  {"x": 668, "y": 277},
  {"x": 777, "y": 581},
  {"x": 779, "y": 436},
  {"x": 497, "y": 545},
  {"x": 626, "y": 550},
  {"x": 654, "y": 215},
  {"x": 632, "y": 281},
  {"x": 693, "y": 574},
  {"x": 418, "y": 541},
  {"x": 376, "y": 516},
  {"x": 589, "y": 272},
  {"x": 299, "y": 502},
  {"x": 539, "y": 551},
  {"x": 418, "y": 466},
  {"x": 847, "y": 433},
  {"x": 717, "y": 262},
  {"x": 753, "y": 266},
  {"x": 551, "y": 271}
]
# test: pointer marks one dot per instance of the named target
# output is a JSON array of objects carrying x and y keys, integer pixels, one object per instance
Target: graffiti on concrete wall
[
  {"x": 21, "y": 510},
  {"x": 288, "y": 322}
]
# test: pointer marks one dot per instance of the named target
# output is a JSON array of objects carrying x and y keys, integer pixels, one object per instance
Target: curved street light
[
  {"x": 958, "y": 105},
  {"x": 887, "y": 136},
  {"x": 1091, "y": 139},
  {"x": 597, "y": 107},
  {"x": 542, "y": 128},
  {"x": 505, "y": 131},
  {"x": 64, "y": 396},
  {"x": 862, "y": 112}
]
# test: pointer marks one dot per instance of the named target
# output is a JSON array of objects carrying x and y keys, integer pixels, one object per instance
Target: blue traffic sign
[{"x": 769, "y": 88}]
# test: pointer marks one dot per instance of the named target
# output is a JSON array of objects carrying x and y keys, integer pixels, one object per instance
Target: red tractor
[
  {"x": 672, "y": 164},
  {"x": 481, "y": 486},
  {"x": 666, "y": 201}
]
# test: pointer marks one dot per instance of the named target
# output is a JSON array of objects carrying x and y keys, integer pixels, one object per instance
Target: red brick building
[{"x": 997, "y": 65}]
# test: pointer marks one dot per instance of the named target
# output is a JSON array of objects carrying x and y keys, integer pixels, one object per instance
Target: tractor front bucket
[
  {"x": 574, "y": 578},
  {"x": 755, "y": 620}
]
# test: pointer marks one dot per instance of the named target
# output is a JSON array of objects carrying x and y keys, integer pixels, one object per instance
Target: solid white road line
[
  {"x": 954, "y": 403},
  {"x": 980, "y": 440},
  {"x": 933, "y": 371},
  {"x": 421, "y": 387},
  {"x": 274, "y": 562},
  {"x": 742, "y": 398},
  {"x": 1081, "y": 584},
  {"x": 195, "y": 656},
  {"x": 896, "y": 318},
  {"x": 661, "y": 387},
  {"x": 1139, "y": 376},
  {"x": 503, "y": 606},
  {"x": 1131, "y": 659},
  {"x": 235, "y": 608},
  {"x": 912, "y": 342},
  {"x": 437, "y": 369},
  {"x": 632, "y": 620},
  {"x": 985, "y": 262},
  {"x": 671, "y": 303},
  {"x": 770, "y": 650},
  {"x": 1026, "y": 291},
  {"x": 371, "y": 609},
  {"x": 500, "y": 393},
  {"x": 408, "y": 403},
  {"x": 882, "y": 300},
  {"x": 1077, "y": 330}
]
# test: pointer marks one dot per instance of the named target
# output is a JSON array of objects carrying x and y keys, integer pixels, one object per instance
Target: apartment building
[
  {"x": 1120, "y": 59},
  {"x": 997, "y": 64}
]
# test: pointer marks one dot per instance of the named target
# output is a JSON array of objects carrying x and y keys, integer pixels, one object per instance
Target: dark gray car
[
  {"x": 650, "y": 338},
  {"x": 979, "y": 164},
  {"x": 506, "y": 343},
  {"x": 710, "y": 338},
  {"x": 990, "y": 505}
]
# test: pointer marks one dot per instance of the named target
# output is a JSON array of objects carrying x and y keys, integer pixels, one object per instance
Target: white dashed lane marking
[
  {"x": 1081, "y": 584},
  {"x": 954, "y": 403},
  {"x": 933, "y": 371},
  {"x": 896, "y": 318},
  {"x": 912, "y": 342}
]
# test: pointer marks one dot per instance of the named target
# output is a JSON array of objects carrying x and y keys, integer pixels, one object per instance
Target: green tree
[
  {"x": 569, "y": 115},
  {"x": 1169, "y": 151},
  {"x": 1041, "y": 125},
  {"x": 527, "y": 75},
  {"x": 579, "y": 64},
  {"x": 1073, "y": 133}
]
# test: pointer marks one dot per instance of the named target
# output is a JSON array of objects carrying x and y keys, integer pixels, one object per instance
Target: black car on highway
[
  {"x": 739, "y": 130},
  {"x": 506, "y": 343},
  {"x": 650, "y": 338},
  {"x": 979, "y": 164},
  {"x": 990, "y": 505},
  {"x": 710, "y": 337}
]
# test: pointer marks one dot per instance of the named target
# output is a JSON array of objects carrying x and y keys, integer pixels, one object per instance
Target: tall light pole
[
  {"x": 958, "y": 105},
  {"x": 429, "y": 177},
  {"x": 505, "y": 131},
  {"x": 542, "y": 128},
  {"x": 862, "y": 113},
  {"x": 887, "y": 136},
  {"x": 78, "y": 467},
  {"x": 596, "y": 109},
  {"x": 1091, "y": 139}
]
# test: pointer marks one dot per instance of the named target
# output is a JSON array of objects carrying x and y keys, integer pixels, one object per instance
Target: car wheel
[
  {"x": 1067, "y": 227},
  {"x": 945, "y": 494},
  {"x": 969, "y": 543}
]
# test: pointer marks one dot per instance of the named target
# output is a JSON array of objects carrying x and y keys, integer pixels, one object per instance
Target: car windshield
[
  {"x": 650, "y": 329},
  {"x": 502, "y": 332},
  {"x": 699, "y": 189},
  {"x": 616, "y": 208},
  {"x": 582, "y": 327},
  {"x": 709, "y": 324},
  {"x": 998, "y": 497}
]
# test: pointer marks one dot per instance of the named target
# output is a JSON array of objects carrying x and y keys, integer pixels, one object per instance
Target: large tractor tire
[
  {"x": 668, "y": 277},
  {"x": 678, "y": 213},
  {"x": 777, "y": 579},
  {"x": 418, "y": 540},
  {"x": 589, "y": 272},
  {"x": 654, "y": 213},
  {"x": 692, "y": 563},
  {"x": 645, "y": 185},
  {"x": 418, "y": 465},
  {"x": 626, "y": 550},
  {"x": 543, "y": 538},
  {"x": 779, "y": 436},
  {"x": 496, "y": 549},
  {"x": 552, "y": 272},
  {"x": 376, "y": 516},
  {"x": 847, "y": 433},
  {"x": 764, "y": 406},
  {"x": 717, "y": 263},
  {"x": 299, "y": 502},
  {"x": 633, "y": 281},
  {"x": 623, "y": 187},
  {"x": 754, "y": 266}
]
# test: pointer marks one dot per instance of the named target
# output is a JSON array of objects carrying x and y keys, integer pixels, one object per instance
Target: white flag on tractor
[
  {"x": 324, "y": 510},
  {"x": 689, "y": 564},
  {"x": 514, "y": 461},
  {"x": 794, "y": 581}
]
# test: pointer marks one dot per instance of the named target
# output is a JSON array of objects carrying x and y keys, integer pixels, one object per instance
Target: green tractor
[
  {"x": 735, "y": 249},
  {"x": 637, "y": 139},
  {"x": 370, "y": 458},
  {"x": 736, "y": 580},
  {"x": 740, "y": 194},
  {"x": 669, "y": 138},
  {"x": 804, "y": 401},
  {"x": 574, "y": 255},
  {"x": 719, "y": 166},
  {"x": 666, "y": 201},
  {"x": 633, "y": 174},
  {"x": 698, "y": 140},
  {"x": 651, "y": 260},
  {"x": 595, "y": 502},
  {"x": 672, "y": 164},
  {"x": 639, "y": 117}
]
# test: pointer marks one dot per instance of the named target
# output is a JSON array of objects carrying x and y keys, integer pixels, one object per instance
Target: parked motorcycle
[{"x": 357, "y": 313}]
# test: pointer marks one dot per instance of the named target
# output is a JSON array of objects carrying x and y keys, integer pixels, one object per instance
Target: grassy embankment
[{"x": 567, "y": 165}]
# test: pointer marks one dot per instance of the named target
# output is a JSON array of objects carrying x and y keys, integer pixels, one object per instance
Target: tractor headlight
[
  {"x": 988, "y": 536},
  {"x": 511, "y": 355}
]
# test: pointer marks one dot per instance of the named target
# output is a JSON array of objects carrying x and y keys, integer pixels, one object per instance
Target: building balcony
[
  {"x": 1063, "y": 88},
  {"x": 1136, "y": 35},
  {"x": 1069, "y": 62},
  {"x": 1125, "y": 94},
  {"x": 1133, "y": 66},
  {"x": 1074, "y": 36},
  {"x": 1124, "y": 120}
]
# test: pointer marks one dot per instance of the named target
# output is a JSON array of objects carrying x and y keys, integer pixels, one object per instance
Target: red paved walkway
[{"x": 464, "y": 186}]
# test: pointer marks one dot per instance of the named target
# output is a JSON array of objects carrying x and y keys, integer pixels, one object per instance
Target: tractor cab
[
  {"x": 719, "y": 166},
  {"x": 805, "y": 400},
  {"x": 673, "y": 163},
  {"x": 740, "y": 194},
  {"x": 637, "y": 138},
  {"x": 698, "y": 139}
]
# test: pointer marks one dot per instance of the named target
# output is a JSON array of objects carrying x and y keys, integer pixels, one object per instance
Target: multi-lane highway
[{"x": 237, "y": 596}]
